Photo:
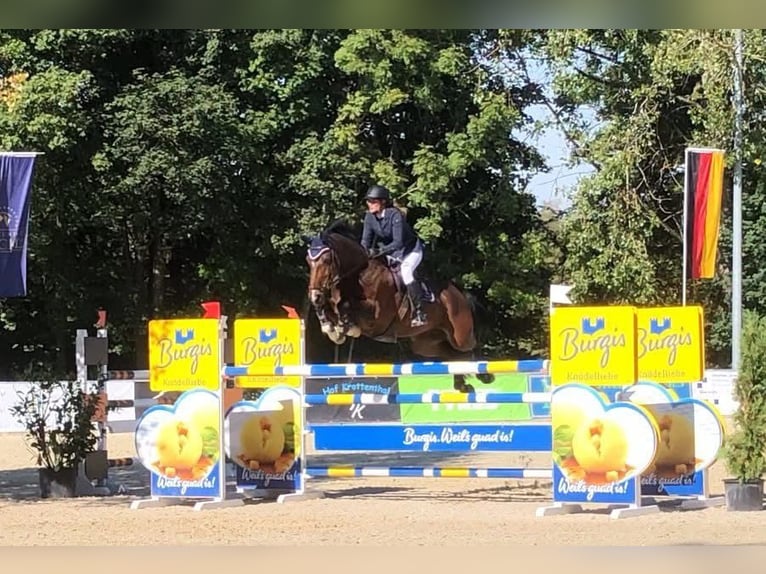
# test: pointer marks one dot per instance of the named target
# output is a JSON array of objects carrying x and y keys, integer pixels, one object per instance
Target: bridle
[
  {"x": 314, "y": 253},
  {"x": 334, "y": 264}
]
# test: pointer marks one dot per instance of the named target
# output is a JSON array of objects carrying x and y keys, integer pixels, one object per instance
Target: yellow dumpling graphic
[
  {"x": 567, "y": 414},
  {"x": 262, "y": 439},
  {"x": 600, "y": 446},
  {"x": 676, "y": 447},
  {"x": 179, "y": 445}
]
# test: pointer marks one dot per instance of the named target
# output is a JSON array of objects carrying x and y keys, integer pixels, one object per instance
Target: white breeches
[{"x": 410, "y": 263}]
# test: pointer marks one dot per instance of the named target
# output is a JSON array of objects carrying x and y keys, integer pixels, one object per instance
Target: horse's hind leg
[
  {"x": 463, "y": 337},
  {"x": 459, "y": 384},
  {"x": 435, "y": 345},
  {"x": 486, "y": 378},
  {"x": 462, "y": 386}
]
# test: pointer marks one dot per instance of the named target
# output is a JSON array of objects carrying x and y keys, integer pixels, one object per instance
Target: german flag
[{"x": 703, "y": 190}]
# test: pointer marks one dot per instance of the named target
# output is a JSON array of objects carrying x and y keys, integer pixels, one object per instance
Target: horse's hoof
[
  {"x": 340, "y": 331},
  {"x": 486, "y": 378},
  {"x": 464, "y": 388},
  {"x": 354, "y": 332},
  {"x": 337, "y": 338}
]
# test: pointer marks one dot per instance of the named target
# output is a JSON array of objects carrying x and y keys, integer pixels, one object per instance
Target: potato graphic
[
  {"x": 676, "y": 446},
  {"x": 262, "y": 439},
  {"x": 567, "y": 414},
  {"x": 179, "y": 445},
  {"x": 600, "y": 446},
  {"x": 285, "y": 415}
]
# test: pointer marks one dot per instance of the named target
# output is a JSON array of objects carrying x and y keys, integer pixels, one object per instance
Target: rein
[{"x": 336, "y": 262}]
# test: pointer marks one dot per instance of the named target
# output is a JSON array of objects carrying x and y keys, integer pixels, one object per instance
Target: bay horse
[{"x": 354, "y": 295}]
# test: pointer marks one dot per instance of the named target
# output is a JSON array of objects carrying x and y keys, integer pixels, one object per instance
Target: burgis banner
[
  {"x": 670, "y": 344},
  {"x": 179, "y": 445},
  {"x": 16, "y": 171},
  {"x": 184, "y": 354},
  {"x": 267, "y": 343},
  {"x": 263, "y": 440},
  {"x": 593, "y": 345}
]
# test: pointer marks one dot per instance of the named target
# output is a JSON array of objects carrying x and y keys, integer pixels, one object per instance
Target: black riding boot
[{"x": 416, "y": 296}]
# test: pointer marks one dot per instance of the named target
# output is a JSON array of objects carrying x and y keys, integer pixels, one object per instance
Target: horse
[{"x": 355, "y": 295}]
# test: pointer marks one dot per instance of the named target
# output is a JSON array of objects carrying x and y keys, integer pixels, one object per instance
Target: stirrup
[{"x": 418, "y": 320}]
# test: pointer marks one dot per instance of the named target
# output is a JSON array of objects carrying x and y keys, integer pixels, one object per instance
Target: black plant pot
[
  {"x": 743, "y": 496},
  {"x": 58, "y": 483}
]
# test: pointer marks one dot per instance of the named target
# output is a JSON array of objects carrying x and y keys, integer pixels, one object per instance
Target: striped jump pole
[
  {"x": 138, "y": 375},
  {"x": 121, "y": 462},
  {"x": 425, "y": 472},
  {"x": 425, "y": 398},
  {"x": 138, "y": 403},
  {"x": 340, "y": 370}
]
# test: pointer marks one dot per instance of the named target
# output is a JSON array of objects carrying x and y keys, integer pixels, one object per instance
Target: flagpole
[
  {"x": 686, "y": 195},
  {"x": 736, "y": 264}
]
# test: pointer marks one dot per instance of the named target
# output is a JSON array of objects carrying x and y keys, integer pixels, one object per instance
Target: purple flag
[{"x": 15, "y": 182}]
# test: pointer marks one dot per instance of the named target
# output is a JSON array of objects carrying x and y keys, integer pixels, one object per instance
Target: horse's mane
[
  {"x": 340, "y": 227},
  {"x": 340, "y": 237}
]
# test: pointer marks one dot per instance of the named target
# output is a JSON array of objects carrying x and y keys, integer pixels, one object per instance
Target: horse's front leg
[
  {"x": 334, "y": 331},
  {"x": 321, "y": 308},
  {"x": 342, "y": 308},
  {"x": 325, "y": 324},
  {"x": 346, "y": 322}
]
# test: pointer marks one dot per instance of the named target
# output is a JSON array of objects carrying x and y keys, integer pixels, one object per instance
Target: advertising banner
[
  {"x": 318, "y": 414},
  {"x": 184, "y": 354},
  {"x": 434, "y": 437},
  {"x": 670, "y": 344},
  {"x": 266, "y": 344},
  {"x": 600, "y": 449},
  {"x": 263, "y": 440},
  {"x": 691, "y": 434},
  {"x": 179, "y": 445},
  {"x": 464, "y": 412},
  {"x": 593, "y": 345}
]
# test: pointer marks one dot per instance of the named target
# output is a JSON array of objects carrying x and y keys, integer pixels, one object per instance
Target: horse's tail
[
  {"x": 475, "y": 304},
  {"x": 480, "y": 315}
]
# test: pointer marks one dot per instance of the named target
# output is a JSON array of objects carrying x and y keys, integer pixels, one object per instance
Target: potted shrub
[
  {"x": 744, "y": 451},
  {"x": 58, "y": 420}
]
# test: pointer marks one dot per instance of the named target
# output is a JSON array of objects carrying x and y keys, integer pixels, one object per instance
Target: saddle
[
  {"x": 428, "y": 294},
  {"x": 401, "y": 288}
]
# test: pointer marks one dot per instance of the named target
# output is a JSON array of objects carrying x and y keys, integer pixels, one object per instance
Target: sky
[{"x": 553, "y": 186}]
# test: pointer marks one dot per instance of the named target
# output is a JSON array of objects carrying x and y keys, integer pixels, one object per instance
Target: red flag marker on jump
[
  {"x": 291, "y": 312},
  {"x": 212, "y": 310}
]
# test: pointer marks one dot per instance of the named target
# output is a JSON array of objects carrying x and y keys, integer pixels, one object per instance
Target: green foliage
[
  {"x": 185, "y": 165},
  {"x": 182, "y": 165},
  {"x": 58, "y": 418},
  {"x": 210, "y": 443},
  {"x": 653, "y": 93},
  {"x": 745, "y": 449},
  {"x": 562, "y": 443}
]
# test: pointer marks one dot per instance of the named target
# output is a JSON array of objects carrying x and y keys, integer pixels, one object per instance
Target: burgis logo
[
  {"x": 266, "y": 345},
  {"x": 591, "y": 337},
  {"x": 661, "y": 336},
  {"x": 183, "y": 347}
]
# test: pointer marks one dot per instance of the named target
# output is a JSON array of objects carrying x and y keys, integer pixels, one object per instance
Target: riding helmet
[{"x": 378, "y": 192}]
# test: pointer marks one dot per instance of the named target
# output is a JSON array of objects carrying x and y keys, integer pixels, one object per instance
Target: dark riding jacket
[{"x": 392, "y": 230}]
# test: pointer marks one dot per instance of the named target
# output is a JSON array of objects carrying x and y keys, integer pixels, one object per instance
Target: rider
[{"x": 385, "y": 223}]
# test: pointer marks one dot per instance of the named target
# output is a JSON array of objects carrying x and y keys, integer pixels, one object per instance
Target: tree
[{"x": 655, "y": 93}]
